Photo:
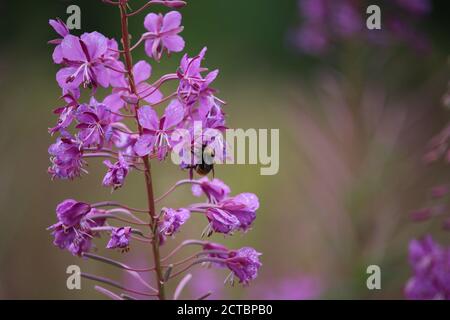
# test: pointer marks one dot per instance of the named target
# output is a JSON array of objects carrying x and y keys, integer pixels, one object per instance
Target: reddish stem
[{"x": 148, "y": 175}]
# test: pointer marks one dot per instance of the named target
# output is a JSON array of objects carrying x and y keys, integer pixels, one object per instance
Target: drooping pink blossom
[
  {"x": 244, "y": 262},
  {"x": 231, "y": 214},
  {"x": 66, "y": 156},
  {"x": 94, "y": 124},
  {"x": 215, "y": 190},
  {"x": 172, "y": 220},
  {"x": 74, "y": 229},
  {"x": 117, "y": 172},
  {"x": 120, "y": 238}
]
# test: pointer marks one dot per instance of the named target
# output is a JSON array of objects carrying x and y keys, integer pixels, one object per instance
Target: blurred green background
[{"x": 353, "y": 127}]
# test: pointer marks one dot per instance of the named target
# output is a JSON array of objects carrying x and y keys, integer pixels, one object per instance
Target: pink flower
[
  {"x": 94, "y": 124},
  {"x": 66, "y": 113},
  {"x": 173, "y": 219},
  {"x": 163, "y": 34},
  {"x": 120, "y": 238},
  {"x": 66, "y": 156},
  {"x": 73, "y": 231},
  {"x": 236, "y": 213},
  {"x": 88, "y": 61},
  {"x": 70, "y": 212},
  {"x": 244, "y": 262},
  {"x": 222, "y": 221},
  {"x": 157, "y": 131},
  {"x": 430, "y": 263},
  {"x": 193, "y": 87},
  {"x": 117, "y": 173},
  {"x": 216, "y": 190}
]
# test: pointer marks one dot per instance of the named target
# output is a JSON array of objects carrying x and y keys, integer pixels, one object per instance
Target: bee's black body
[
  {"x": 206, "y": 166},
  {"x": 204, "y": 169}
]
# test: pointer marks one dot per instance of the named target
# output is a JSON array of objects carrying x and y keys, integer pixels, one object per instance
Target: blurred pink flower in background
[
  {"x": 289, "y": 288},
  {"x": 325, "y": 23},
  {"x": 431, "y": 266},
  {"x": 207, "y": 280}
]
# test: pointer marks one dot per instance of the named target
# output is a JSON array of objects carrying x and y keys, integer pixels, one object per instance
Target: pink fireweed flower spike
[{"x": 129, "y": 127}]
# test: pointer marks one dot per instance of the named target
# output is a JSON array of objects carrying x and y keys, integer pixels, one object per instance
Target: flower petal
[
  {"x": 59, "y": 27},
  {"x": 142, "y": 71},
  {"x": 117, "y": 79},
  {"x": 210, "y": 77},
  {"x": 173, "y": 114},
  {"x": 144, "y": 145},
  {"x": 149, "y": 48},
  {"x": 101, "y": 75},
  {"x": 152, "y": 22},
  {"x": 96, "y": 43},
  {"x": 173, "y": 43},
  {"x": 114, "y": 101},
  {"x": 172, "y": 20},
  {"x": 71, "y": 49},
  {"x": 62, "y": 76},
  {"x": 57, "y": 55},
  {"x": 148, "y": 118}
]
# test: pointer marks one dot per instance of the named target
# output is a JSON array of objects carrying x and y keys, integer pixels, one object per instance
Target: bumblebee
[{"x": 207, "y": 164}]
